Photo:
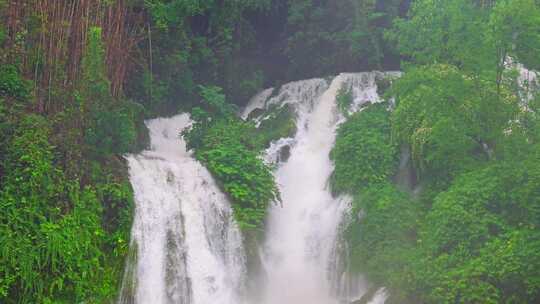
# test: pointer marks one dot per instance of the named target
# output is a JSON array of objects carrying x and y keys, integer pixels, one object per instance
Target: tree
[
  {"x": 440, "y": 31},
  {"x": 325, "y": 37},
  {"x": 448, "y": 118},
  {"x": 514, "y": 32},
  {"x": 481, "y": 233},
  {"x": 109, "y": 123},
  {"x": 364, "y": 153}
]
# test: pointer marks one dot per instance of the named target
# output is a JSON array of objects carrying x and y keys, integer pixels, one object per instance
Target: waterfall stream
[
  {"x": 186, "y": 247},
  {"x": 188, "y": 250},
  {"x": 301, "y": 233}
]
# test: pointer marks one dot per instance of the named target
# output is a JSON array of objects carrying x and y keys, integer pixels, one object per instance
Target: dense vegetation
[
  {"x": 364, "y": 153},
  {"x": 78, "y": 77},
  {"x": 469, "y": 231},
  {"x": 243, "y": 45},
  {"x": 65, "y": 199},
  {"x": 230, "y": 148}
]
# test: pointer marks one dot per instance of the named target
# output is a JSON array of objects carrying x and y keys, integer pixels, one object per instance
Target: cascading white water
[
  {"x": 300, "y": 253},
  {"x": 188, "y": 250},
  {"x": 301, "y": 233}
]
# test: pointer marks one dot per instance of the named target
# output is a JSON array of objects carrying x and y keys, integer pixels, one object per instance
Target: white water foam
[
  {"x": 301, "y": 254},
  {"x": 188, "y": 248}
]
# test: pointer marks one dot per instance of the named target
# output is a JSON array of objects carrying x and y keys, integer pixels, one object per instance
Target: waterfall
[
  {"x": 186, "y": 247},
  {"x": 303, "y": 253},
  {"x": 301, "y": 232}
]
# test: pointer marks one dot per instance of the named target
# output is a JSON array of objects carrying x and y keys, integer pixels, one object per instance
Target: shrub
[
  {"x": 112, "y": 131},
  {"x": 110, "y": 125},
  {"x": 364, "y": 153},
  {"x": 382, "y": 238},
  {"x": 278, "y": 123},
  {"x": 230, "y": 149},
  {"x": 51, "y": 232},
  {"x": 344, "y": 100},
  {"x": 12, "y": 84}
]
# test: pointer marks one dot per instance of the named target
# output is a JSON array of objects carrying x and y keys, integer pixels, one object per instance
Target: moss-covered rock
[{"x": 279, "y": 122}]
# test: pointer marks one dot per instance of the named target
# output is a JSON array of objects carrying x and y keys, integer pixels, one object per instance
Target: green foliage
[
  {"x": 230, "y": 149},
  {"x": 243, "y": 175},
  {"x": 198, "y": 42},
  {"x": 472, "y": 237},
  {"x": 117, "y": 199},
  {"x": 95, "y": 82},
  {"x": 364, "y": 153},
  {"x": 383, "y": 84},
  {"x": 6, "y": 130},
  {"x": 344, "y": 100},
  {"x": 113, "y": 130},
  {"x": 515, "y": 30},
  {"x": 382, "y": 235},
  {"x": 51, "y": 230},
  {"x": 479, "y": 238},
  {"x": 111, "y": 123},
  {"x": 477, "y": 38},
  {"x": 472, "y": 234},
  {"x": 530, "y": 122},
  {"x": 12, "y": 84},
  {"x": 478, "y": 242},
  {"x": 2, "y": 32},
  {"x": 64, "y": 231},
  {"x": 216, "y": 104},
  {"x": 242, "y": 45},
  {"x": 325, "y": 37},
  {"x": 171, "y": 13},
  {"x": 442, "y": 31},
  {"x": 114, "y": 191},
  {"x": 446, "y": 116},
  {"x": 248, "y": 86},
  {"x": 279, "y": 122}
]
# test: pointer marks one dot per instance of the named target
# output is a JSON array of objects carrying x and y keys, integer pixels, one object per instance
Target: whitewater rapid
[{"x": 186, "y": 248}]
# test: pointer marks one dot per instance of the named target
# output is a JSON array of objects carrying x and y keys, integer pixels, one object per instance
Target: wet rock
[
  {"x": 405, "y": 177},
  {"x": 367, "y": 297},
  {"x": 255, "y": 113},
  {"x": 284, "y": 153}
]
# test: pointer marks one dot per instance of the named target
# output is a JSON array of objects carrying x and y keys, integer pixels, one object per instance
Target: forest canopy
[{"x": 467, "y": 229}]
